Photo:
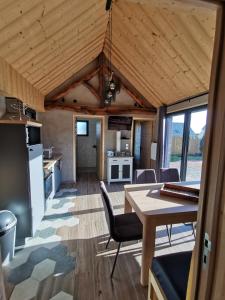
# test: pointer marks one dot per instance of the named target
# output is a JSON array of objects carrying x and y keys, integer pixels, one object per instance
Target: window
[
  {"x": 82, "y": 128},
  {"x": 184, "y": 141}
]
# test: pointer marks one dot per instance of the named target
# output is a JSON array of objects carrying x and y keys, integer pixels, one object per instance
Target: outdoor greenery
[{"x": 175, "y": 157}]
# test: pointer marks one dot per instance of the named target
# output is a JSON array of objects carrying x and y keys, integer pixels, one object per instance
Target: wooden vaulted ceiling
[{"x": 163, "y": 48}]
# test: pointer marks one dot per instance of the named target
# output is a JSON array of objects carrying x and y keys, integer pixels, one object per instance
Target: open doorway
[
  {"x": 88, "y": 145},
  {"x": 142, "y": 137}
]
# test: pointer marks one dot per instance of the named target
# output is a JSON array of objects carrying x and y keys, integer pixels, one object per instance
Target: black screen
[
  {"x": 34, "y": 135},
  {"x": 119, "y": 123}
]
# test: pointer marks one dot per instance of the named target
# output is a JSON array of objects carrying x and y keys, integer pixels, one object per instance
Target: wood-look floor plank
[{"x": 86, "y": 242}]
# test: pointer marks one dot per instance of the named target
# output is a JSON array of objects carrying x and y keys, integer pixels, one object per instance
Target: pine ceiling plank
[
  {"x": 177, "y": 43},
  {"x": 69, "y": 69},
  {"x": 129, "y": 71},
  {"x": 58, "y": 80},
  {"x": 24, "y": 21},
  {"x": 166, "y": 53},
  {"x": 53, "y": 85},
  {"x": 189, "y": 70},
  {"x": 157, "y": 64},
  {"x": 65, "y": 42},
  {"x": 47, "y": 27},
  {"x": 202, "y": 7},
  {"x": 70, "y": 47},
  {"x": 55, "y": 41},
  {"x": 145, "y": 68},
  {"x": 188, "y": 40},
  {"x": 65, "y": 65}
]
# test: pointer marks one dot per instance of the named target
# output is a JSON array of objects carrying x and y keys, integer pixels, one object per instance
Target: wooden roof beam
[
  {"x": 92, "y": 90},
  {"x": 87, "y": 77},
  {"x": 107, "y": 110}
]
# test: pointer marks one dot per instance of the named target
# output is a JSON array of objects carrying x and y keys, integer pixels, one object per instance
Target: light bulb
[{"x": 112, "y": 85}]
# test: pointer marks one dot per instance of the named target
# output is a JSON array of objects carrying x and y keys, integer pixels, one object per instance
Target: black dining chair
[
  {"x": 144, "y": 176},
  {"x": 147, "y": 176},
  {"x": 123, "y": 227},
  {"x": 172, "y": 175},
  {"x": 169, "y": 175}
]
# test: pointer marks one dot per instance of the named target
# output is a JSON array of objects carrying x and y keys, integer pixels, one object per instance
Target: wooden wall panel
[{"x": 14, "y": 85}]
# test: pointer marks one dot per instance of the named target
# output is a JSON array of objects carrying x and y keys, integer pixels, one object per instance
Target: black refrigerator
[{"x": 21, "y": 177}]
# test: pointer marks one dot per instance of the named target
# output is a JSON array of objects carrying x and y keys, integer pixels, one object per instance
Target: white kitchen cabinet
[{"x": 119, "y": 169}]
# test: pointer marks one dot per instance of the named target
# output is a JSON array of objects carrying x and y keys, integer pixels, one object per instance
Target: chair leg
[
  {"x": 114, "y": 264},
  {"x": 108, "y": 242},
  {"x": 169, "y": 234}
]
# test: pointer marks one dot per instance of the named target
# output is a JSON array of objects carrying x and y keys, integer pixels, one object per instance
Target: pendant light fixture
[{"x": 110, "y": 85}]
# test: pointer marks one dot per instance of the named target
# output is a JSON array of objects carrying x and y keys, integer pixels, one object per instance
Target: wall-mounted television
[{"x": 119, "y": 123}]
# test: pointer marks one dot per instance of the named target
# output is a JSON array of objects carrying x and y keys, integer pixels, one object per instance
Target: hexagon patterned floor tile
[
  {"x": 20, "y": 273},
  {"x": 25, "y": 290},
  {"x": 47, "y": 232},
  {"x": 43, "y": 270},
  {"x": 62, "y": 296},
  {"x": 38, "y": 255},
  {"x": 44, "y": 255},
  {"x": 64, "y": 266}
]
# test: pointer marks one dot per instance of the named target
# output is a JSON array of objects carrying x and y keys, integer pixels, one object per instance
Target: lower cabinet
[
  {"x": 57, "y": 175},
  {"x": 119, "y": 169}
]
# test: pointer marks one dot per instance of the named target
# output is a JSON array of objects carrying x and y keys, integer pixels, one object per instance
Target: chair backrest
[
  {"x": 169, "y": 175},
  {"x": 109, "y": 214},
  {"x": 144, "y": 176}
]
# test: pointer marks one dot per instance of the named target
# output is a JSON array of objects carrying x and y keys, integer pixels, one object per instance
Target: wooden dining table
[{"x": 154, "y": 210}]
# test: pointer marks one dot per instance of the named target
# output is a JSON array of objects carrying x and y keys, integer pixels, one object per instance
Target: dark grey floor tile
[
  {"x": 38, "y": 255},
  {"x": 65, "y": 265},
  {"x": 58, "y": 252},
  {"x": 20, "y": 273}
]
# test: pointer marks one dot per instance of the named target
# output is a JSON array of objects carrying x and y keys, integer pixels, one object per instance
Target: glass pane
[
  {"x": 173, "y": 141},
  {"x": 196, "y": 143},
  {"x": 81, "y": 127}
]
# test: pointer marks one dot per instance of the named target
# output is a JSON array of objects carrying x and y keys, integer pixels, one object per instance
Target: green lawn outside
[{"x": 175, "y": 157}]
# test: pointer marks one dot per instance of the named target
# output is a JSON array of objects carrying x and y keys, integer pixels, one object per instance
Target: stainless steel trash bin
[{"x": 7, "y": 235}]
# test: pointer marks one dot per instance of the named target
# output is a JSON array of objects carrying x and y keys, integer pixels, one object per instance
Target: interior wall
[
  {"x": 58, "y": 131},
  {"x": 146, "y": 140},
  {"x": 86, "y": 154}
]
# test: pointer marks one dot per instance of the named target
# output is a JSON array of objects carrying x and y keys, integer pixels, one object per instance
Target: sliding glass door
[
  {"x": 196, "y": 143},
  {"x": 174, "y": 140},
  {"x": 184, "y": 140}
]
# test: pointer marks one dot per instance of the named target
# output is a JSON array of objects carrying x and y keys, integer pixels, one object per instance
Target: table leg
[
  {"x": 127, "y": 206},
  {"x": 148, "y": 247}
]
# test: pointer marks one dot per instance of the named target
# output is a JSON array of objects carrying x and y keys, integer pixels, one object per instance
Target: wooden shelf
[{"x": 25, "y": 122}]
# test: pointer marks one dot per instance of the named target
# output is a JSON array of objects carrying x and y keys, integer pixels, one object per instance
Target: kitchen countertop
[
  {"x": 48, "y": 163},
  {"x": 125, "y": 156}
]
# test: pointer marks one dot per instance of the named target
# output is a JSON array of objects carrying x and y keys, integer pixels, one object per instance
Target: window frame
[
  {"x": 185, "y": 139},
  {"x": 87, "y": 127}
]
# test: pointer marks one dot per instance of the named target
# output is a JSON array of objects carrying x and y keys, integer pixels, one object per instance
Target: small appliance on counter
[
  {"x": 110, "y": 153},
  {"x": 48, "y": 152}
]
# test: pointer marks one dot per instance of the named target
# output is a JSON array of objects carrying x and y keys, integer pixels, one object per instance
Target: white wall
[
  {"x": 58, "y": 131},
  {"x": 86, "y": 154}
]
